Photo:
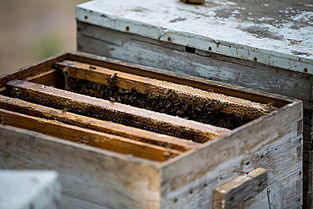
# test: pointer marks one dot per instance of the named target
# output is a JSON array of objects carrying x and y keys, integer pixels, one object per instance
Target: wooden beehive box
[
  {"x": 267, "y": 48},
  {"x": 128, "y": 136}
]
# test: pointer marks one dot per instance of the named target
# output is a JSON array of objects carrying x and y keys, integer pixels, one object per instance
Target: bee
[
  {"x": 16, "y": 91},
  {"x": 120, "y": 91},
  {"x": 170, "y": 95},
  {"x": 185, "y": 107},
  {"x": 198, "y": 109},
  {"x": 168, "y": 105},
  {"x": 180, "y": 112},
  {"x": 118, "y": 99},
  {"x": 133, "y": 90},
  {"x": 112, "y": 99},
  {"x": 112, "y": 80},
  {"x": 113, "y": 76}
]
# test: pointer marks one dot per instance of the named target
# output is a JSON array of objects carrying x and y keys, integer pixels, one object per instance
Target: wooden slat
[
  {"x": 240, "y": 189},
  {"x": 231, "y": 105},
  {"x": 115, "y": 112},
  {"x": 51, "y": 77},
  {"x": 86, "y": 136},
  {"x": 17, "y": 105},
  {"x": 196, "y": 82},
  {"x": 32, "y": 70},
  {"x": 93, "y": 178}
]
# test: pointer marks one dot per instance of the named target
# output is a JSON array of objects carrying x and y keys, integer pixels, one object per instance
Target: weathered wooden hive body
[
  {"x": 266, "y": 47},
  {"x": 127, "y": 136}
]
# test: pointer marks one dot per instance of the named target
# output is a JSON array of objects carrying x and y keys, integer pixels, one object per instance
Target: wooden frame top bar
[
  {"x": 115, "y": 112},
  {"x": 147, "y": 85},
  {"x": 86, "y": 136},
  {"x": 17, "y": 105}
]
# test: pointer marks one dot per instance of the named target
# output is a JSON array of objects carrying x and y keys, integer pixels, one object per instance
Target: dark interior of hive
[{"x": 123, "y": 112}]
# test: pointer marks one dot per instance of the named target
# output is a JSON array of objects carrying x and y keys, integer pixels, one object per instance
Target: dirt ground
[{"x": 34, "y": 29}]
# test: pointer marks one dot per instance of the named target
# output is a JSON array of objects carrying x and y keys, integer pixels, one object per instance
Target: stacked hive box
[
  {"x": 268, "y": 48},
  {"x": 128, "y": 136}
]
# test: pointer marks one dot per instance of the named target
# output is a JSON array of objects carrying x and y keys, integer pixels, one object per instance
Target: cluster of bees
[{"x": 170, "y": 104}]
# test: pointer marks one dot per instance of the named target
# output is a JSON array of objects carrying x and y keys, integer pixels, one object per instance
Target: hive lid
[{"x": 275, "y": 33}]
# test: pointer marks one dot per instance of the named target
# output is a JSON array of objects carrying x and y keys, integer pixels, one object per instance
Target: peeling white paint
[{"x": 285, "y": 45}]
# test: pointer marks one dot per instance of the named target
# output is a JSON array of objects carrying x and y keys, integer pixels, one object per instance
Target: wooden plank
[
  {"x": 199, "y": 193},
  {"x": 17, "y": 105},
  {"x": 184, "y": 79},
  {"x": 240, "y": 189},
  {"x": 224, "y": 29},
  {"x": 285, "y": 192},
  {"x": 50, "y": 77},
  {"x": 70, "y": 202},
  {"x": 96, "y": 177},
  {"x": 189, "y": 95},
  {"x": 272, "y": 143},
  {"x": 32, "y": 70},
  {"x": 88, "y": 137},
  {"x": 115, "y": 112},
  {"x": 145, "y": 51}
]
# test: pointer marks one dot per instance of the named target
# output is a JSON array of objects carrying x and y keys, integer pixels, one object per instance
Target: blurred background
[{"x": 35, "y": 29}]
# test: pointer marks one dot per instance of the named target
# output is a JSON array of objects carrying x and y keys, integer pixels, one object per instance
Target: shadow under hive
[{"x": 147, "y": 124}]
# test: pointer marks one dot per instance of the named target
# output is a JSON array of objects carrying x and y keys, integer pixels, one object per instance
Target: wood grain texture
[
  {"x": 32, "y": 70},
  {"x": 116, "y": 112},
  {"x": 187, "y": 94},
  {"x": 184, "y": 79},
  {"x": 36, "y": 110},
  {"x": 91, "y": 175},
  {"x": 221, "y": 27},
  {"x": 86, "y": 136},
  {"x": 283, "y": 193},
  {"x": 240, "y": 189},
  {"x": 201, "y": 63},
  {"x": 50, "y": 78},
  {"x": 195, "y": 195},
  {"x": 149, "y": 52},
  {"x": 273, "y": 143}
]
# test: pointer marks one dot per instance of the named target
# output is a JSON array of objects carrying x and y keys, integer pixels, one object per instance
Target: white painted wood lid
[
  {"x": 277, "y": 33},
  {"x": 28, "y": 189}
]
